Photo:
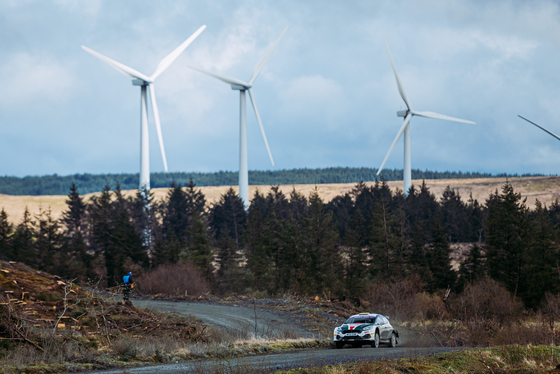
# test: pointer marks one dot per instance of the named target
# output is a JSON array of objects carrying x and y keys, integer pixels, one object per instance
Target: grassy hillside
[
  {"x": 546, "y": 189},
  {"x": 89, "y": 183}
]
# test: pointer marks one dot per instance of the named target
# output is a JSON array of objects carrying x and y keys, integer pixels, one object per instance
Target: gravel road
[
  {"x": 286, "y": 361},
  {"x": 237, "y": 320}
]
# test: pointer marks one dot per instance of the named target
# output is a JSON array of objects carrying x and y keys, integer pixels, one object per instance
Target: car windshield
[{"x": 361, "y": 320}]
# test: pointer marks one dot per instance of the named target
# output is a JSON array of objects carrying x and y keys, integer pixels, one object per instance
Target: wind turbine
[
  {"x": 405, "y": 128},
  {"x": 542, "y": 128},
  {"x": 242, "y": 86},
  {"x": 144, "y": 82}
]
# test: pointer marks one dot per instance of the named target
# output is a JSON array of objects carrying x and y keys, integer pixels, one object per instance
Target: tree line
[
  {"x": 89, "y": 183},
  {"x": 299, "y": 244}
]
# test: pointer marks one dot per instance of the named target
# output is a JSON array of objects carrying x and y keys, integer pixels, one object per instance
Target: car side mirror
[{"x": 387, "y": 317}]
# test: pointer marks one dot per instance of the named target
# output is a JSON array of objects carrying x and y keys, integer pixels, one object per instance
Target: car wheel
[
  {"x": 375, "y": 342},
  {"x": 393, "y": 341},
  {"x": 339, "y": 345}
]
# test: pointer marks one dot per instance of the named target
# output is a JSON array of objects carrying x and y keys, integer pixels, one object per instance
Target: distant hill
[{"x": 90, "y": 183}]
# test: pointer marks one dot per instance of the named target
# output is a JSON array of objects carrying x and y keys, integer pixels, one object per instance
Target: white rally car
[{"x": 366, "y": 328}]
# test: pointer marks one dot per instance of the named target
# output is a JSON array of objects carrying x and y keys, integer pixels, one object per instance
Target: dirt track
[
  {"x": 288, "y": 361},
  {"x": 237, "y": 320}
]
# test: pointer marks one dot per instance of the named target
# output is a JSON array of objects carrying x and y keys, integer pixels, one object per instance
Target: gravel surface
[
  {"x": 288, "y": 361},
  {"x": 235, "y": 319}
]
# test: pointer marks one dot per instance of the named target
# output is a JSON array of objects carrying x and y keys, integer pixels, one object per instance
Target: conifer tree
[
  {"x": 418, "y": 260},
  {"x": 6, "y": 233},
  {"x": 421, "y": 206},
  {"x": 439, "y": 262},
  {"x": 290, "y": 248},
  {"x": 259, "y": 263},
  {"x": 322, "y": 260},
  {"x": 167, "y": 251},
  {"x": 52, "y": 251},
  {"x": 356, "y": 263},
  {"x": 199, "y": 249},
  {"x": 275, "y": 198},
  {"x": 143, "y": 211},
  {"x": 507, "y": 229},
  {"x": 228, "y": 217},
  {"x": 454, "y": 216},
  {"x": 75, "y": 221},
  {"x": 101, "y": 214},
  {"x": 297, "y": 205},
  {"x": 176, "y": 214},
  {"x": 23, "y": 241},
  {"x": 472, "y": 269},
  {"x": 476, "y": 214},
  {"x": 542, "y": 259},
  {"x": 343, "y": 211},
  {"x": 387, "y": 243},
  {"x": 230, "y": 275},
  {"x": 124, "y": 250},
  {"x": 74, "y": 217},
  {"x": 195, "y": 200}
]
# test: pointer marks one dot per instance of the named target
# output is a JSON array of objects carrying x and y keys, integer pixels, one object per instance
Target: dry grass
[
  {"x": 546, "y": 189},
  {"x": 499, "y": 360}
]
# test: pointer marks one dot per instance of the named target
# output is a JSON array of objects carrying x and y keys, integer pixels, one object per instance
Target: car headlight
[
  {"x": 337, "y": 329},
  {"x": 367, "y": 328}
]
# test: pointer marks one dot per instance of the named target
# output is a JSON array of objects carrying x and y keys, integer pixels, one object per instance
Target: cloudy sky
[{"x": 327, "y": 96}]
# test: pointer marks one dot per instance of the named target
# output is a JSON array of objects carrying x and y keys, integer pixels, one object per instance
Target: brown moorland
[{"x": 545, "y": 189}]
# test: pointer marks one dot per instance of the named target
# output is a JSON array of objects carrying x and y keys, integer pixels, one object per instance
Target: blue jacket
[{"x": 126, "y": 279}]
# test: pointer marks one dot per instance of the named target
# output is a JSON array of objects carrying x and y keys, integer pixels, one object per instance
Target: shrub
[
  {"x": 396, "y": 298},
  {"x": 173, "y": 279},
  {"x": 486, "y": 301}
]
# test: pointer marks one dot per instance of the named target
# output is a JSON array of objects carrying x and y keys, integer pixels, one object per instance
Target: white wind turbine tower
[
  {"x": 542, "y": 128},
  {"x": 405, "y": 128},
  {"x": 241, "y": 86},
  {"x": 144, "y": 82}
]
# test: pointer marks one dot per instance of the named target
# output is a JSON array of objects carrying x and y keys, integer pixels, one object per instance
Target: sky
[{"x": 327, "y": 96}]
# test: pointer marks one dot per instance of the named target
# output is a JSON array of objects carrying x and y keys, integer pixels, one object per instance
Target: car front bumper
[{"x": 353, "y": 338}]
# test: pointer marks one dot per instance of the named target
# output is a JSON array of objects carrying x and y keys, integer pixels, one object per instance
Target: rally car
[{"x": 366, "y": 328}]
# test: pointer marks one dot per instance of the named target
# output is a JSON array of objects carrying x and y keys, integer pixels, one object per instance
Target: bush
[
  {"x": 173, "y": 279},
  {"x": 396, "y": 299},
  {"x": 486, "y": 302}
]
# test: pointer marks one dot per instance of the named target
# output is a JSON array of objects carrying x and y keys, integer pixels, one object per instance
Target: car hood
[{"x": 355, "y": 326}]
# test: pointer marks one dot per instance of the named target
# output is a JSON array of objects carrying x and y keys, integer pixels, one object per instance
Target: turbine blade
[
  {"x": 260, "y": 124},
  {"x": 117, "y": 65},
  {"x": 441, "y": 116},
  {"x": 399, "y": 134},
  {"x": 399, "y": 84},
  {"x": 158, "y": 124},
  {"x": 223, "y": 78},
  {"x": 168, "y": 60},
  {"x": 542, "y": 128},
  {"x": 262, "y": 62}
]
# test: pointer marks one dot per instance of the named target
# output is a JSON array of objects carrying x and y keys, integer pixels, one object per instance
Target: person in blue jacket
[{"x": 127, "y": 286}]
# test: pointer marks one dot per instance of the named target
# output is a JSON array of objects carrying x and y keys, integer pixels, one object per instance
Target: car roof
[{"x": 369, "y": 315}]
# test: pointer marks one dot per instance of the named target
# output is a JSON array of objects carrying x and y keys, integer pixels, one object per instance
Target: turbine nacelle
[
  {"x": 402, "y": 113},
  {"x": 237, "y": 87},
  {"x": 140, "y": 82}
]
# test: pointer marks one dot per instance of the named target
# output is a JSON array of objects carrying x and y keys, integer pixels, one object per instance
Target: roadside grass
[{"x": 496, "y": 360}]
